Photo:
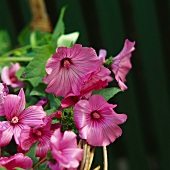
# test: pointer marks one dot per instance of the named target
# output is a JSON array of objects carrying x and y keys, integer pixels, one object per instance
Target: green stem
[
  {"x": 41, "y": 161},
  {"x": 17, "y": 59}
]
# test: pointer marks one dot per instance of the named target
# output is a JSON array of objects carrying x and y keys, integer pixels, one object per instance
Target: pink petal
[
  {"x": 6, "y": 135},
  {"x": 82, "y": 107},
  {"x": 26, "y": 139},
  {"x": 17, "y": 132},
  {"x": 14, "y": 68},
  {"x": 44, "y": 144},
  {"x": 98, "y": 102},
  {"x": 17, "y": 84},
  {"x": 17, "y": 160},
  {"x": 56, "y": 138},
  {"x": 22, "y": 102},
  {"x": 102, "y": 55},
  {"x": 32, "y": 116},
  {"x": 11, "y": 106},
  {"x": 69, "y": 100},
  {"x": 5, "y": 75}
]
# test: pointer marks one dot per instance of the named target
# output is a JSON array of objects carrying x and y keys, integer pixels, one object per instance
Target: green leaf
[
  {"x": 32, "y": 152},
  {"x": 67, "y": 40},
  {"x": 39, "y": 90},
  {"x": 50, "y": 111},
  {"x": 3, "y": 168},
  {"x": 24, "y": 36},
  {"x": 60, "y": 27},
  {"x": 54, "y": 101},
  {"x": 36, "y": 67},
  {"x": 107, "y": 93}
]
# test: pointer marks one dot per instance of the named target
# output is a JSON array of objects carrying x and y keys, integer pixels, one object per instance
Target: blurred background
[{"x": 145, "y": 143}]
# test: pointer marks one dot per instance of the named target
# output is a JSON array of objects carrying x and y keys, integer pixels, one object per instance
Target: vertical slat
[{"x": 152, "y": 58}]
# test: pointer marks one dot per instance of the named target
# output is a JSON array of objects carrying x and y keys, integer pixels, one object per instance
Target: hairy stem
[{"x": 40, "y": 162}]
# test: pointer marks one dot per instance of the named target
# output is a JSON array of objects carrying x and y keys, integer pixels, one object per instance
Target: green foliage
[
  {"x": 24, "y": 36},
  {"x": 107, "y": 93},
  {"x": 32, "y": 152},
  {"x": 67, "y": 40},
  {"x": 39, "y": 90},
  {"x": 3, "y": 168},
  {"x": 5, "y": 42},
  {"x": 67, "y": 120},
  {"x": 37, "y": 66},
  {"x": 54, "y": 101}
]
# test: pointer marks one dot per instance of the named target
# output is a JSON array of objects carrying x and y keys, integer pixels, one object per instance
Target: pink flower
[
  {"x": 122, "y": 64},
  {"x": 18, "y": 118},
  {"x": 69, "y": 68},
  {"x": 65, "y": 150},
  {"x": 17, "y": 160},
  {"x": 97, "y": 122},
  {"x": 41, "y": 133},
  {"x": 3, "y": 93},
  {"x": 8, "y": 76}
]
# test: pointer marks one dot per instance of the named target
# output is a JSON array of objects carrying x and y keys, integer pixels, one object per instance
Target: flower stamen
[
  {"x": 14, "y": 120},
  {"x": 95, "y": 115}
]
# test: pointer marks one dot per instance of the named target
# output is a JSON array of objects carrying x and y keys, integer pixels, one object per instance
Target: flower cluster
[
  {"x": 74, "y": 74},
  {"x": 51, "y": 113}
]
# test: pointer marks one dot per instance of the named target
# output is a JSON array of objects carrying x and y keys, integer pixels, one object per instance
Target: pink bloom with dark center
[
  {"x": 8, "y": 76},
  {"x": 3, "y": 93},
  {"x": 18, "y": 160},
  {"x": 97, "y": 122},
  {"x": 69, "y": 68},
  {"x": 122, "y": 64},
  {"x": 18, "y": 118},
  {"x": 41, "y": 133},
  {"x": 65, "y": 150}
]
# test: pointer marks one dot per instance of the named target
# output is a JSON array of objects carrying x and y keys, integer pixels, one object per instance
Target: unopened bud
[{"x": 58, "y": 114}]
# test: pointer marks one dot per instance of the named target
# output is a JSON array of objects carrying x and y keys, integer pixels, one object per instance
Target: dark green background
[{"x": 145, "y": 143}]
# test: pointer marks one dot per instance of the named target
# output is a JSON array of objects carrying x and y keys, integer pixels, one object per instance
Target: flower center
[
  {"x": 95, "y": 115},
  {"x": 38, "y": 133},
  {"x": 13, "y": 79},
  {"x": 14, "y": 120},
  {"x": 60, "y": 152},
  {"x": 66, "y": 62}
]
